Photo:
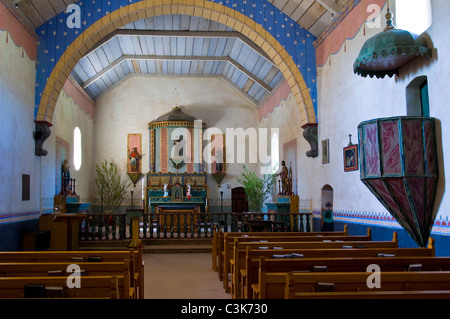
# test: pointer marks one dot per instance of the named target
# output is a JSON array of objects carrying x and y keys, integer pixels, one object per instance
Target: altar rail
[{"x": 185, "y": 225}]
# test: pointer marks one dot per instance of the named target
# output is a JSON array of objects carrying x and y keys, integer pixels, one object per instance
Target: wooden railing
[{"x": 186, "y": 225}]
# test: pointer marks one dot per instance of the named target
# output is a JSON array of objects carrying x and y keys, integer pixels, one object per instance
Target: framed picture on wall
[
  {"x": 134, "y": 153},
  {"x": 351, "y": 158},
  {"x": 325, "y": 151}
]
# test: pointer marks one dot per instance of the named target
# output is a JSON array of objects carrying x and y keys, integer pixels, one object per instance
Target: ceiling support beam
[
  {"x": 182, "y": 34},
  {"x": 177, "y": 58}
]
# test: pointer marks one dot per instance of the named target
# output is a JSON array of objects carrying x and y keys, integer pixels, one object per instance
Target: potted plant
[
  {"x": 257, "y": 189},
  {"x": 110, "y": 186}
]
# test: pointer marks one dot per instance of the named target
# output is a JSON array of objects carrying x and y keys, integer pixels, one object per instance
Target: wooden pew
[
  {"x": 387, "y": 264},
  {"x": 239, "y": 260},
  {"x": 120, "y": 270},
  {"x": 403, "y": 294},
  {"x": 227, "y": 254},
  {"x": 219, "y": 239},
  {"x": 60, "y": 268},
  {"x": 295, "y": 284},
  {"x": 228, "y": 243},
  {"x": 91, "y": 286},
  {"x": 133, "y": 255},
  {"x": 256, "y": 257}
]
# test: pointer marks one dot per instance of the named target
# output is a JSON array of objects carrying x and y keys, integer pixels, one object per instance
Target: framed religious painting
[
  {"x": 134, "y": 153},
  {"x": 134, "y": 157},
  {"x": 351, "y": 158}
]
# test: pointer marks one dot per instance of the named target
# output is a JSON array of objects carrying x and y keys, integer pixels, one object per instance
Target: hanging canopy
[{"x": 385, "y": 53}]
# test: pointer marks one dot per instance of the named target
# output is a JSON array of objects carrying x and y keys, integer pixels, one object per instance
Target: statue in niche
[
  {"x": 166, "y": 192},
  {"x": 135, "y": 157},
  {"x": 177, "y": 158},
  {"x": 65, "y": 178},
  {"x": 188, "y": 194},
  {"x": 284, "y": 177}
]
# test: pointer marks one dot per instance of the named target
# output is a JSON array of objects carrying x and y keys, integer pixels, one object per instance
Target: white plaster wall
[
  {"x": 287, "y": 120},
  {"x": 66, "y": 117},
  {"x": 17, "y": 145},
  {"x": 130, "y": 105},
  {"x": 345, "y": 100}
]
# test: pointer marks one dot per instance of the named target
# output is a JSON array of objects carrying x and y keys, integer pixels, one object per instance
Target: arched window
[
  {"x": 77, "y": 154},
  {"x": 413, "y": 15},
  {"x": 275, "y": 152}
]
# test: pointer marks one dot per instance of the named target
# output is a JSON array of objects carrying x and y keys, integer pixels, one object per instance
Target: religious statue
[
  {"x": 65, "y": 178},
  {"x": 188, "y": 194},
  {"x": 284, "y": 176},
  {"x": 134, "y": 157},
  {"x": 166, "y": 192}
]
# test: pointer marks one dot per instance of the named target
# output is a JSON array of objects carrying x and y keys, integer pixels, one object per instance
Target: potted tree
[
  {"x": 110, "y": 186},
  {"x": 257, "y": 188}
]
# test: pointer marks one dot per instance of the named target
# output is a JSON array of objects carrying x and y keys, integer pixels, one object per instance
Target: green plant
[
  {"x": 257, "y": 189},
  {"x": 109, "y": 184}
]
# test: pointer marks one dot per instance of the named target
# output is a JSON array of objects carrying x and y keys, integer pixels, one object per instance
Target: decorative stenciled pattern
[
  {"x": 55, "y": 37},
  {"x": 8, "y": 217},
  {"x": 384, "y": 219}
]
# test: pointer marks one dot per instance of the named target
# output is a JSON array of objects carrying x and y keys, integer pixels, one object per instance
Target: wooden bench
[
  {"x": 402, "y": 294},
  {"x": 239, "y": 260},
  {"x": 387, "y": 264},
  {"x": 219, "y": 237},
  {"x": 60, "y": 269},
  {"x": 297, "y": 283},
  {"x": 227, "y": 255},
  {"x": 228, "y": 248},
  {"x": 133, "y": 255},
  {"x": 120, "y": 270},
  {"x": 91, "y": 287},
  {"x": 259, "y": 256}
]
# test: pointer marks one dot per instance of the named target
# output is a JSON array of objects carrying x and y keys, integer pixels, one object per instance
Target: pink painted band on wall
[
  {"x": 347, "y": 29},
  {"x": 86, "y": 105},
  {"x": 20, "y": 36},
  {"x": 279, "y": 95}
]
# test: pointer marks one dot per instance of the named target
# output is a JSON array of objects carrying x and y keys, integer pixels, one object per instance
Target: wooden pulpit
[{"x": 68, "y": 237}]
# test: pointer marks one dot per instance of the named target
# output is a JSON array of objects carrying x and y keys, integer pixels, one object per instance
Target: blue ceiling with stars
[{"x": 55, "y": 36}]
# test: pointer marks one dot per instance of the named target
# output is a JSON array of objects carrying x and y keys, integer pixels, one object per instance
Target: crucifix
[{"x": 350, "y": 140}]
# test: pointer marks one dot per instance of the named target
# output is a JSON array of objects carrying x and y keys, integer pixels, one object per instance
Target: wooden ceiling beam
[
  {"x": 237, "y": 65},
  {"x": 182, "y": 34}
]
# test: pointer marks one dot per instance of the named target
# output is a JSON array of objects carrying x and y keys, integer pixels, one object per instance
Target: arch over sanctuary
[{"x": 60, "y": 47}]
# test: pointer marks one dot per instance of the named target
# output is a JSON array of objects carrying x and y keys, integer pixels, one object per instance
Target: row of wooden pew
[
  {"x": 326, "y": 265},
  {"x": 51, "y": 274}
]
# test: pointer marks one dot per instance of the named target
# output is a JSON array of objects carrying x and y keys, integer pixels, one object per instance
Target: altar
[{"x": 176, "y": 182}]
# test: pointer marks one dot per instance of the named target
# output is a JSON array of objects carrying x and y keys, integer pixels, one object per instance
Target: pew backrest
[
  {"x": 91, "y": 286},
  {"x": 354, "y": 281}
]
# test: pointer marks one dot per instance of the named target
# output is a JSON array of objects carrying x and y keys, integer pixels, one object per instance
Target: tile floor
[{"x": 181, "y": 276}]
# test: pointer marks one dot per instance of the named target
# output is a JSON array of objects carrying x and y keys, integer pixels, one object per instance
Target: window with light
[
  {"x": 275, "y": 152},
  {"x": 77, "y": 154},
  {"x": 413, "y": 15}
]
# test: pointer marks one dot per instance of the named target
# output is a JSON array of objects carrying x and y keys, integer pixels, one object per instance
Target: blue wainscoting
[
  {"x": 380, "y": 233},
  {"x": 12, "y": 233}
]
